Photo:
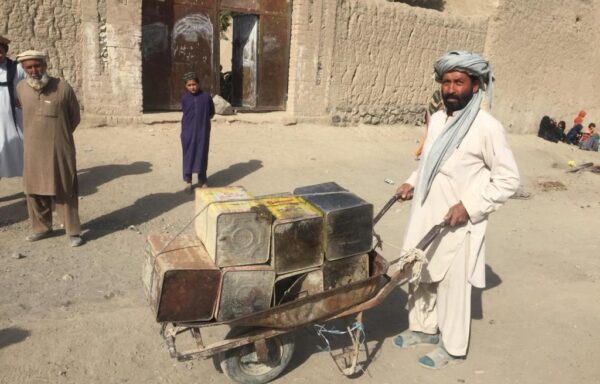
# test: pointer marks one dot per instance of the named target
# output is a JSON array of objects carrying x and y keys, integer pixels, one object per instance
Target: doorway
[
  {"x": 239, "y": 84},
  {"x": 251, "y": 71}
]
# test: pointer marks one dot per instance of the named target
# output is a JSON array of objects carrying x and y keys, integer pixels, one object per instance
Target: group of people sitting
[{"x": 586, "y": 138}]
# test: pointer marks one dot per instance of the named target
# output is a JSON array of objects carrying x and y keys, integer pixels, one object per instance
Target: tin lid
[
  {"x": 206, "y": 196},
  {"x": 290, "y": 207},
  {"x": 184, "y": 252},
  {"x": 319, "y": 188}
]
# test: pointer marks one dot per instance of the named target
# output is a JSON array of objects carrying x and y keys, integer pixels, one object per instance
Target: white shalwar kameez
[
  {"x": 11, "y": 134},
  {"x": 482, "y": 174}
]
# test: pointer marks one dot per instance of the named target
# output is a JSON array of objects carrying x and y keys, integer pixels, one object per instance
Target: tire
[{"x": 241, "y": 365}]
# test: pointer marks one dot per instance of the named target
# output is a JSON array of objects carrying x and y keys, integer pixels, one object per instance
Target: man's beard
[
  {"x": 456, "y": 102},
  {"x": 38, "y": 84}
]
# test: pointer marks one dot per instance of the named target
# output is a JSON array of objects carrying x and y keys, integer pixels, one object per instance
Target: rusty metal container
[
  {"x": 345, "y": 271},
  {"x": 245, "y": 290},
  {"x": 181, "y": 282},
  {"x": 348, "y": 219},
  {"x": 296, "y": 285},
  {"x": 297, "y": 234},
  {"x": 234, "y": 228},
  {"x": 335, "y": 303}
]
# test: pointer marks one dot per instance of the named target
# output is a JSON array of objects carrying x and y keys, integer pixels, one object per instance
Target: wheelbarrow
[{"x": 259, "y": 346}]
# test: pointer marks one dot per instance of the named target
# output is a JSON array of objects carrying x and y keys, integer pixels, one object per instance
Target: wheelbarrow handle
[
  {"x": 431, "y": 235},
  {"x": 386, "y": 208}
]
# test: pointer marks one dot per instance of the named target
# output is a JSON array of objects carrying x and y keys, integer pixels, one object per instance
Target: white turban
[
  {"x": 31, "y": 55},
  {"x": 469, "y": 63},
  {"x": 456, "y": 129}
]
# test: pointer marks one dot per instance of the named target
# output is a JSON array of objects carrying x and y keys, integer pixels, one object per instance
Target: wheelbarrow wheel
[{"x": 242, "y": 364}]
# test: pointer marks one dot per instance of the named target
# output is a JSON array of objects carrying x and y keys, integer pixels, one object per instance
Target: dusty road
[{"x": 80, "y": 315}]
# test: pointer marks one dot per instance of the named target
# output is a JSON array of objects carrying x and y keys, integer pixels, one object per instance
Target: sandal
[
  {"x": 410, "y": 338},
  {"x": 38, "y": 236},
  {"x": 439, "y": 358}
]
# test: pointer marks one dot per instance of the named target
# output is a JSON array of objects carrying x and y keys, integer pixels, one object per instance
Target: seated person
[
  {"x": 575, "y": 132},
  {"x": 589, "y": 139},
  {"x": 548, "y": 130}
]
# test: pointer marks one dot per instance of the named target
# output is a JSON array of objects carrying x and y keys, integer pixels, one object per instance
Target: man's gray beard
[{"x": 40, "y": 84}]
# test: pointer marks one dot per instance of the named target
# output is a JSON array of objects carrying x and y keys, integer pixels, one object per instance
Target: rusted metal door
[
  {"x": 244, "y": 60},
  {"x": 273, "y": 49},
  {"x": 156, "y": 59},
  {"x": 187, "y": 46},
  {"x": 273, "y": 54}
]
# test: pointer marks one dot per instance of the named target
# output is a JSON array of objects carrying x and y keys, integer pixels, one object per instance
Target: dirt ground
[{"x": 80, "y": 315}]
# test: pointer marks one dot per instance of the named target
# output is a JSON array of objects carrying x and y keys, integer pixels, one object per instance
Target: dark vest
[{"x": 11, "y": 68}]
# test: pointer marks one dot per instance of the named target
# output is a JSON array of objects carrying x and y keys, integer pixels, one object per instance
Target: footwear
[
  {"x": 38, "y": 236},
  {"x": 521, "y": 194},
  {"x": 75, "y": 241},
  {"x": 189, "y": 188},
  {"x": 410, "y": 338},
  {"x": 439, "y": 358}
]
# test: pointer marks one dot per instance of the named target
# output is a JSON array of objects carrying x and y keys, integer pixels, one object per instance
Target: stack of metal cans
[{"x": 249, "y": 254}]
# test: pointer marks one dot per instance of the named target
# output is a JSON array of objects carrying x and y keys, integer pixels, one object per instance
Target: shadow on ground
[
  {"x": 14, "y": 196},
  {"x": 12, "y": 335},
  {"x": 14, "y": 212},
  {"x": 153, "y": 205},
  {"x": 380, "y": 323},
  {"x": 492, "y": 280},
  {"x": 142, "y": 210},
  {"x": 91, "y": 178},
  {"x": 233, "y": 173}
]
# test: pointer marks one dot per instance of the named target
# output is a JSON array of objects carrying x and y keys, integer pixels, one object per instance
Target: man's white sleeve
[
  {"x": 413, "y": 178},
  {"x": 481, "y": 200}
]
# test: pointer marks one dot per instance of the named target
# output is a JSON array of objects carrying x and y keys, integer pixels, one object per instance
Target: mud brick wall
[
  {"x": 311, "y": 57},
  {"x": 388, "y": 50},
  {"x": 94, "y": 44},
  {"x": 545, "y": 57},
  {"x": 374, "y": 64},
  {"x": 112, "y": 60},
  {"x": 51, "y": 26}
]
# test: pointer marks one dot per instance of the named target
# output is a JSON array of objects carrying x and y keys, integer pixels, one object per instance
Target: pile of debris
[
  {"x": 251, "y": 253},
  {"x": 584, "y": 167}
]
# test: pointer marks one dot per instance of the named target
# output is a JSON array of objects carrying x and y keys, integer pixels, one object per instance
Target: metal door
[
  {"x": 244, "y": 60},
  {"x": 178, "y": 36},
  {"x": 273, "y": 53},
  {"x": 156, "y": 60},
  {"x": 273, "y": 49}
]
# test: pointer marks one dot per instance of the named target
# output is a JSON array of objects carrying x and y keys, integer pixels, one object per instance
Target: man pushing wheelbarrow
[{"x": 466, "y": 172}]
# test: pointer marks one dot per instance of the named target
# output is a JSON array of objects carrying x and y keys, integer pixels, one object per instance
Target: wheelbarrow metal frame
[{"x": 381, "y": 285}]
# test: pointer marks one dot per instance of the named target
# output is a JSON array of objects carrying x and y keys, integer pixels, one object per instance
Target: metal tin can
[
  {"x": 181, "y": 282},
  {"x": 345, "y": 271},
  {"x": 245, "y": 290},
  {"x": 348, "y": 219},
  {"x": 296, "y": 285},
  {"x": 234, "y": 228},
  {"x": 297, "y": 234}
]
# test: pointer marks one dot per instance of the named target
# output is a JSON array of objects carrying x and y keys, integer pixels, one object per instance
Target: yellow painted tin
[
  {"x": 235, "y": 229},
  {"x": 296, "y": 235}
]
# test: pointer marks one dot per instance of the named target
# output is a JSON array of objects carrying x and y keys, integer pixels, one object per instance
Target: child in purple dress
[{"x": 198, "y": 108}]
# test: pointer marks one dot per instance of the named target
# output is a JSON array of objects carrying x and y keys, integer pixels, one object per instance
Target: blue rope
[{"x": 322, "y": 331}]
